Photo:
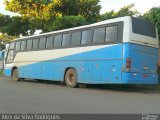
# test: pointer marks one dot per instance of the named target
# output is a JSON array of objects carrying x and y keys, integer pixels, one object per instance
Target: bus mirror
[{"x": 1, "y": 55}]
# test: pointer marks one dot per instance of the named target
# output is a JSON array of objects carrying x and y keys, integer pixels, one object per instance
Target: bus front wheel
[
  {"x": 71, "y": 78},
  {"x": 15, "y": 75}
]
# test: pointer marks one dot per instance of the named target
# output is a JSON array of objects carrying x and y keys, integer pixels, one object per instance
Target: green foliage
[
  {"x": 4, "y": 39},
  {"x": 46, "y": 10},
  {"x": 1, "y": 73},
  {"x": 68, "y": 22},
  {"x": 14, "y": 26},
  {"x": 153, "y": 15},
  {"x": 127, "y": 11},
  {"x": 108, "y": 15},
  {"x": 124, "y": 11},
  {"x": 41, "y": 9},
  {"x": 90, "y": 9}
]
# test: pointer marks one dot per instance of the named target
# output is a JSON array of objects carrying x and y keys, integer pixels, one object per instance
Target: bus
[{"x": 116, "y": 51}]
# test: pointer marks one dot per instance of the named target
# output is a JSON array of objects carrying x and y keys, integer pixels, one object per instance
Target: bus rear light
[
  {"x": 128, "y": 63},
  {"x": 145, "y": 75}
]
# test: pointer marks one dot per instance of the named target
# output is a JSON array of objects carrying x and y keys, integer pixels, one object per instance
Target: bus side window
[
  {"x": 42, "y": 43},
  {"x": 86, "y": 37},
  {"x": 99, "y": 35},
  {"x": 10, "y": 56},
  {"x": 12, "y": 45},
  {"x": 66, "y": 40},
  {"x": 111, "y": 34},
  {"x": 76, "y": 38},
  {"x": 35, "y": 43},
  {"x": 18, "y": 46},
  {"x": 23, "y": 45},
  {"x": 57, "y": 41},
  {"x": 49, "y": 43},
  {"x": 29, "y": 44}
]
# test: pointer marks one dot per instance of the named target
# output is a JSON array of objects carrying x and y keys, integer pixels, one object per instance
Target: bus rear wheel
[
  {"x": 71, "y": 78},
  {"x": 15, "y": 75}
]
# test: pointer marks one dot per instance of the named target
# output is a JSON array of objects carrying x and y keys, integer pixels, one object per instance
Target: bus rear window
[{"x": 143, "y": 27}]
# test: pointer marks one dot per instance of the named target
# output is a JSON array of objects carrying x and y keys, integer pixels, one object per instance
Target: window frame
[
  {"x": 101, "y": 26},
  {"x": 52, "y": 41},
  {"x": 69, "y": 39},
  {"x": 59, "y": 47},
  {"x": 80, "y": 37},
  {"x": 38, "y": 39},
  {"x": 14, "y": 45},
  {"x": 91, "y": 41},
  {"x": 116, "y": 34},
  {"x": 19, "y": 41},
  {"x": 27, "y": 44},
  {"x": 40, "y": 42}
]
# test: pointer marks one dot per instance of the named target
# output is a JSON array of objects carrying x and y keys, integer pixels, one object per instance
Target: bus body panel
[
  {"x": 94, "y": 66},
  {"x": 144, "y": 61}
]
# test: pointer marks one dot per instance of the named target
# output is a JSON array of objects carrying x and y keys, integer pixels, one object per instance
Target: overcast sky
[{"x": 141, "y": 5}]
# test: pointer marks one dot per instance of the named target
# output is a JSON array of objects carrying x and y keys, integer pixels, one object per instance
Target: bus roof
[{"x": 80, "y": 27}]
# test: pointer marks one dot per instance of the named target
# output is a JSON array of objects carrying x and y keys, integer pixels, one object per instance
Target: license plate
[{"x": 145, "y": 68}]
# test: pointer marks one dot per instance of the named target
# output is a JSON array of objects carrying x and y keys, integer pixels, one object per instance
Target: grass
[{"x": 1, "y": 72}]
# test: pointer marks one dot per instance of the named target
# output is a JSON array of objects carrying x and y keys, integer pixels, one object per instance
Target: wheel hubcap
[{"x": 71, "y": 78}]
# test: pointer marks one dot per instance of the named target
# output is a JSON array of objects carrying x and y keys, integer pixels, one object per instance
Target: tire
[
  {"x": 15, "y": 75},
  {"x": 71, "y": 78}
]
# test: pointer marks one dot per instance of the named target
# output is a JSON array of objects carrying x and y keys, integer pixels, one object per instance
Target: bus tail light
[{"x": 128, "y": 63}]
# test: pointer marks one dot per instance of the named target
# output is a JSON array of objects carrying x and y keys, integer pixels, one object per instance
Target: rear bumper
[{"x": 139, "y": 78}]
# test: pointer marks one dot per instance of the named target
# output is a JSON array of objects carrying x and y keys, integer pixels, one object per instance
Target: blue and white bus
[{"x": 116, "y": 51}]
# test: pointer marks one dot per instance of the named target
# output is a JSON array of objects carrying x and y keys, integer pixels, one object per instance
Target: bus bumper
[{"x": 139, "y": 78}]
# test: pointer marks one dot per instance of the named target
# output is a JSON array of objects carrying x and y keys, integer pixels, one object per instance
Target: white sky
[{"x": 141, "y": 5}]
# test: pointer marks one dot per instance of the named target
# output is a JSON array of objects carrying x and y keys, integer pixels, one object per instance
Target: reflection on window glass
[
  {"x": 42, "y": 43},
  {"x": 86, "y": 37},
  {"x": 10, "y": 56},
  {"x": 76, "y": 38},
  {"x": 58, "y": 41},
  {"x": 18, "y": 46},
  {"x": 111, "y": 34},
  {"x": 23, "y": 45},
  {"x": 35, "y": 43},
  {"x": 99, "y": 35},
  {"x": 49, "y": 43},
  {"x": 29, "y": 44},
  {"x": 12, "y": 45},
  {"x": 66, "y": 40}
]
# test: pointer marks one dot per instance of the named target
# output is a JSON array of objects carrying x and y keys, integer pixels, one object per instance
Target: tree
[
  {"x": 14, "y": 26},
  {"x": 88, "y": 9},
  {"x": 48, "y": 10},
  {"x": 108, "y": 15},
  {"x": 4, "y": 39},
  {"x": 127, "y": 11},
  {"x": 153, "y": 15},
  {"x": 41, "y": 9},
  {"x": 68, "y": 22},
  {"x": 124, "y": 11}
]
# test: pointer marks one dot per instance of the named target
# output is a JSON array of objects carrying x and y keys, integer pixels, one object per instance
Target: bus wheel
[
  {"x": 15, "y": 75},
  {"x": 71, "y": 78}
]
